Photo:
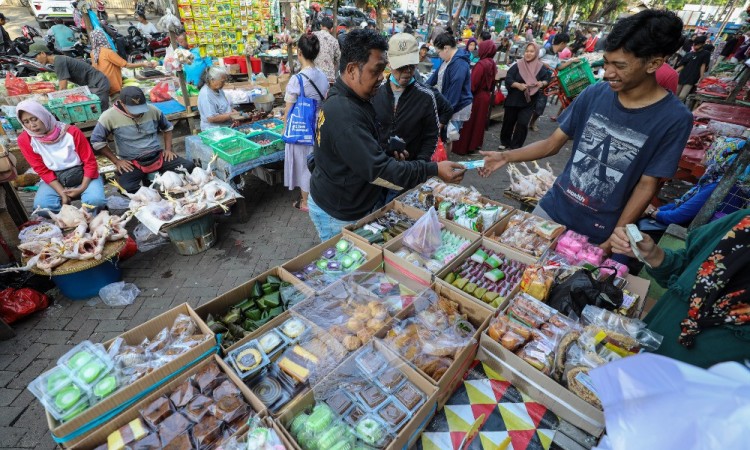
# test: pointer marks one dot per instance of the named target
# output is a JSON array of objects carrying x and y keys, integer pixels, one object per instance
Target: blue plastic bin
[{"x": 86, "y": 283}]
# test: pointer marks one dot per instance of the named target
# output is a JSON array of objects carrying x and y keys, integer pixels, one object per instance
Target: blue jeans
[
  {"x": 326, "y": 225},
  {"x": 47, "y": 198}
]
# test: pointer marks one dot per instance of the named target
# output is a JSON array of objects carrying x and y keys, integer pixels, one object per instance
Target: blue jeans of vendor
[
  {"x": 327, "y": 225},
  {"x": 135, "y": 127},
  {"x": 47, "y": 198}
]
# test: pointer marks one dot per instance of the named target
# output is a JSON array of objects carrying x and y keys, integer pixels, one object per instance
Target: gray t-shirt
[
  {"x": 80, "y": 73},
  {"x": 212, "y": 103}
]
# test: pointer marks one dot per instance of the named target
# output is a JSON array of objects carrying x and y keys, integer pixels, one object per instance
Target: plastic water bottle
[{"x": 8, "y": 129}]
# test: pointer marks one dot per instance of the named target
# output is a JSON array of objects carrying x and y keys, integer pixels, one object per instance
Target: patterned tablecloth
[{"x": 512, "y": 420}]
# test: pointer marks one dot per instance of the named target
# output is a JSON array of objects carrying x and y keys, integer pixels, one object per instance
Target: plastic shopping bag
[
  {"x": 440, "y": 154},
  {"x": 15, "y": 85},
  {"x": 424, "y": 236},
  {"x": 119, "y": 294},
  {"x": 654, "y": 402},
  {"x": 160, "y": 93},
  {"x": 19, "y": 303},
  {"x": 300, "y": 125}
]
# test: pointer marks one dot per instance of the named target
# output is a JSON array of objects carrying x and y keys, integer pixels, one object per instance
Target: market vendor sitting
[
  {"x": 74, "y": 70},
  {"x": 135, "y": 126},
  {"x": 213, "y": 105},
  {"x": 62, "y": 157}
]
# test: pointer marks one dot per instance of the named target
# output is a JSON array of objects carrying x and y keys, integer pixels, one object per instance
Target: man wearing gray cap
[{"x": 135, "y": 126}]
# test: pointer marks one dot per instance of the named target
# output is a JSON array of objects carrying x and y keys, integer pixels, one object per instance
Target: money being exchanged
[{"x": 635, "y": 236}]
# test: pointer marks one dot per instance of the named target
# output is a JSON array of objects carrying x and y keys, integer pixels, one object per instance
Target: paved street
[{"x": 275, "y": 233}]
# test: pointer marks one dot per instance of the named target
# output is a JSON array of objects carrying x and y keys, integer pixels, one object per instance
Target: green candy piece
[
  {"x": 57, "y": 380},
  {"x": 490, "y": 296},
  {"x": 269, "y": 288},
  {"x": 450, "y": 278},
  {"x": 460, "y": 283},
  {"x": 320, "y": 418},
  {"x": 356, "y": 254},
  {"x": 79, "y": 360},
  {"x": 322, "y": 264},
  {"x": 479, "y": 292},
  {"x": 273, "y": 280},
  {"x": 470, "y": 288},
  {"x": 346, "y": 262},
  {"x": 271, "y": 300},
  {"x": 497, "y": 302},
  {"x": 67, "y": 397},
  {"x": 106, "y": 386},
  {"x": 256, "y": 290},
  {"x": 83, "y": 406},
  {"x": 91, "y": 371},
  {"x": 253, "y": 313},
  {"x": 343, "y": 245},
  {"x": 298, "y": 424}
]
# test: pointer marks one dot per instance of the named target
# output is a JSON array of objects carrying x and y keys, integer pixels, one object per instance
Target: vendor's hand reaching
[
  {"x": 123, "y": 165},
  {"x": 169, "y": 155},
  {"x": 492, "y": 162},
  {"x": 64, "y": 199},
  {"x": 651, "y": 252},
  {"x": 451, "y": 172}
]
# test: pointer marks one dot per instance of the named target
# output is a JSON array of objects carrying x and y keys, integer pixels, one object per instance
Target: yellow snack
[{"x": 133, "y": 431}]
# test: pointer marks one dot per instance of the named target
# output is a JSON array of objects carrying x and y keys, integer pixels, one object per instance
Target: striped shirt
[{"x": 134, "y": 137}]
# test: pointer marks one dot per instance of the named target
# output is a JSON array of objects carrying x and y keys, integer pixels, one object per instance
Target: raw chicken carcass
[
  {"x": 199, "y": 177},
  {"x": 162, "y": 210},
  {"x": 69, "y": 217},
  {"x": 51, "y": 256},
  {"x": 214, "y": 192},
  {"x": 170, "y": 182},
  {"x": 520, "y": 183},
  {"x": 143, "y": 196},
  {"x": 545, "y": 175}
]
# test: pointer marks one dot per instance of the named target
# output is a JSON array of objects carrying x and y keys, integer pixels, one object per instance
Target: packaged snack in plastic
[
  {"x": 537, "y": 281},
  {"x": 310, "y": 359},
  {"x": 424, "y": 236}
]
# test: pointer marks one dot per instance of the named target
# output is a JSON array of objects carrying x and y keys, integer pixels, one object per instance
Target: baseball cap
[
  {"x": 133, "y": 98},
  {"x": 37, "y": 48},
  {"x": 403, "y": 50},
  {"x": 700, "y": 39}
]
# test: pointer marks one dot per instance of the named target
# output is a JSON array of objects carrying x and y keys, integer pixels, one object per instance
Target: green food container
[
  {"x": 268, "y": 141},
  {"x": 236, "y": 150},
  {"x": 575, "y": 78},
  {"x": 215, "y": 135}
]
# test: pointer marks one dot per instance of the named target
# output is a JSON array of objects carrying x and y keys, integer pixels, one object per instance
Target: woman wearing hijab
[
  {"x": 482, "y": 82},
  {"x": 108, "y": 62},
  {"x": 704, "y": 314},
  {"x": 62, "y": 157},
  {"x": 471, "y": 47},
  {"x": 525, "y": 81},
  {"x": 683, "y": 210}
]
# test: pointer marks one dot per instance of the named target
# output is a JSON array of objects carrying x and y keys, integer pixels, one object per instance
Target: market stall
[{"x": 363, "y": 339}]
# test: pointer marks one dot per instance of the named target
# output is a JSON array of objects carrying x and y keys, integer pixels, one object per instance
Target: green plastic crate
[
  {"x": 276, "y": 143},
  {"x": 575, "y": 78},
  {"x": 215, "y": 135},
  {"x": 76, "y": 112},
  {"x": 15, "y": 123},
  {"x": 236, "y": 150}
]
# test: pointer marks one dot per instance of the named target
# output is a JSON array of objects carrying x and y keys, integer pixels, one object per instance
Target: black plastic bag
[{"x": 572, "y": 294}]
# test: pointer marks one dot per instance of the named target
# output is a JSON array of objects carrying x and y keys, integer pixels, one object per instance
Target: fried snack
[
  {"x": 561, "y": 353},
  {"x": 580, "y": 389}
]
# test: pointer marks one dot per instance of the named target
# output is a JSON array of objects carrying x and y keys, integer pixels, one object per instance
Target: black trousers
[
  {"x": 131, "y": 181},
  {"x": 516, "y": 125}
]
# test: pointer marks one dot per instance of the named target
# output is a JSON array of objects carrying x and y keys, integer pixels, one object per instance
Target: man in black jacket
[
  {"x": 405, "y": 110},
  {"x": 351, "y": 170}
]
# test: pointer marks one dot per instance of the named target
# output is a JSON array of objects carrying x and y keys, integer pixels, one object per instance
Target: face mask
[{"x": 395, "y": 81}]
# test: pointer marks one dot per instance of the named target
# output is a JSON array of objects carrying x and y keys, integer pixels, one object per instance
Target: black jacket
[
  {"x": 351, "y": 169},
  {"x": 415, "y": 119},
  {"x": 515, "y": 97}
]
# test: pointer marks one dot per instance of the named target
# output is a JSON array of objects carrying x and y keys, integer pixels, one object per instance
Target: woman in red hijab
[
  {"x": 482, "y": 82},
  {"x": 525, "y": 82}
]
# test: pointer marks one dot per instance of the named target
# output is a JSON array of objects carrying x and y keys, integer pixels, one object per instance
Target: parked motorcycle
[
  {"x": 158, "y": 44},
  {"x": 21, "y": 66},
  {"x": 136, "y": 46}
]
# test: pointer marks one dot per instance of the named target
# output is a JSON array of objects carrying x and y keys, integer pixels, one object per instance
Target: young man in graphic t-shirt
[{"x": 628, "y": 133}]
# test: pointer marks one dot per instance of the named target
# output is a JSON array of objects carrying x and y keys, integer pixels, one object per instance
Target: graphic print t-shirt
[{"x": 612, "y": 148}]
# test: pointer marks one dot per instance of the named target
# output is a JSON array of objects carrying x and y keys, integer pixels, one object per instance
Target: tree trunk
[
  {"x": 483, "y": 17},
  {"x": 379, "y": 14},
  {"x": 457, "y": 18},
  {"x": 523, "y": 20},
  {"x": 608, "y": 7},
  {"x": 568, "y": 10},
  {"x": 335, "y": 7},
  {"x": 594, "y": 9}
]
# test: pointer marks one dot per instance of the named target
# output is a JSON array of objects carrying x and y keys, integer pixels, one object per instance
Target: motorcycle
[
  {"x": 137, "y": 48},
  {"x": 158, "y": 44},
  {"x": 21, "y": 66}
]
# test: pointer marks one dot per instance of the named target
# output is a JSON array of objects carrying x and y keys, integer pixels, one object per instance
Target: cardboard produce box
[
  {"x": 542, "y": 388},
  {"x": 348, "y": 230},
  {"x": 373, "y": 258},
  {"x": 161, "y": 374},
  {"x": 409, "y": 434},
  {"x": 394, "y": 245},
  {"x": 496, "y": 231},
  {"x": 491, "y": 245},
  {"x": 221, "y": 304},
  {"x": 181, "y": 101},
  {"x": 477, "y": 315},
  {"x": 99, "y": 436},
  {"x": 507, "y": 210}
]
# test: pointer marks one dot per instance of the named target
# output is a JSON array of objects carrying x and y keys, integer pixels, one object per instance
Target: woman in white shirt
[
  {"x": 213, "y": 105},
  {"x": 145, "y": 27},
  {"x": 62, "y": 157}
]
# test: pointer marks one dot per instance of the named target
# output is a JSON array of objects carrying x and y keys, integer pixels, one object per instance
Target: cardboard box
[
  {"x": 397, "y": 207},
  {"x": 233, "y": 69},
  {"x": 135, "y": 337},
  {"x": 373, "y": 258},
  {"x": 507, "y": 210},
  {"x": 394, "y": 245},
  {"x": 492, "y": 245},
  {"x": 100, "y": 435},
  {"x": 478, "y": 316},
  {"x": 181, "y": 101},
  {"x": 499, "y": 228},
  {"x": 413, "y": 428},
  {"x": 222, "y": 303},
  {"x": 542, "y": 388}
]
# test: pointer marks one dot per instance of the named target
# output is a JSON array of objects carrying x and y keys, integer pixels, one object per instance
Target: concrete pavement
[{"x": 275, "y": 233}]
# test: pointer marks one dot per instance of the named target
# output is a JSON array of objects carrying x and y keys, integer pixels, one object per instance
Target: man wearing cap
[
  {"x": 406, "y": 111},
  {"x": 74, "y": 70},
  {"x": 135, "y": 126},
  {"x": 692, "y": 67}
]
